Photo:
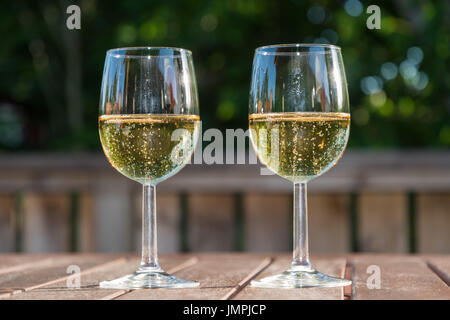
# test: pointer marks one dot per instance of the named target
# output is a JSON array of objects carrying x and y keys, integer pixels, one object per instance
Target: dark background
[{"x": 398, "y": 76}]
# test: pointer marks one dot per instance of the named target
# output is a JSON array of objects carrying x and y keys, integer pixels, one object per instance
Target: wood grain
[
  {"x": 217, "y": 274},
  {"x": 383, "y": 223},
  {"x": 441, "y": 266},
  {"x": 86, "y": 229},
  {"x": 46, "y": 222},
  {"x": 244, "y": 282},
  {"x": 113, "y": 218},
  {"x": 8, "y": 265},
  {"x": 8, "y": 260},
  {"x": 211, "y": 221},
  {"x": 333, "y": 267},
  {"x": 90, "y": 278},
  {"x": 417, "y": 170},
  {"x": 348, "y": 274},
  {"x": 224, "y": 276},
  {"x": 267, "y": 222},
  {"x": 402, "y": 278},
  {"x": 6, "y": 223},
  {"x": 328, "y": 222},
  {"x": 48, "y": 271},
  {"x": 109, "y": 201},
  {"x": 433, "y": 223}
]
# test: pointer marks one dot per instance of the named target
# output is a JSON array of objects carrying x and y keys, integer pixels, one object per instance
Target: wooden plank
[
  {"x": 328, "y": 223},
  {"x": 86, "y": 230},
  {"x": 168, "y": 220},
  {"x": 331, "y": 266},
  {"x": 383, "y": 223},
  {"x": 113, "y": 216},
  {"x": 210, "y": 221},
  {"x": 31, "y": 264},
  {"x": 168, "y": 211},
  {"x": 433, "y": 222},
  {"x": 441, "y": 266},
  {"x": 90, "y": 279},
  {"x": 267, "y": 222},
  {"x": 6, "y": 223},
  {"x": 48, "y": 272},
  {"x": 356, "y": 171},
  {"x": 348, "y": 274},
  {"x": 217, "y": 274},
  {"x": 222, "y": 276},
  {"x": 46, "y": 222},
  {"x": 53, "y": 268},
  {"x": 244, "y": 282},
  {"x": 11, "y": 262},
  {"x": 402, "y": 278},
  {"x": 57, "y": 289},
  {"x": 171, "y": 268}
]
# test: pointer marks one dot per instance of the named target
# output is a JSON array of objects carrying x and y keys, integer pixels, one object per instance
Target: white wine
[
  {"x": 148, "y": 148},
  {"x": 299, "y": 145}
]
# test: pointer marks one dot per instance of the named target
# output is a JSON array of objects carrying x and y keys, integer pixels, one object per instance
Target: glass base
[
  {"x": 147, "y": 280},
  {"x": 300, "y": 279}
]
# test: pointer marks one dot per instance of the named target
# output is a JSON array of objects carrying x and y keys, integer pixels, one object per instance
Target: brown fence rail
[{"x": 371, "y": 202}]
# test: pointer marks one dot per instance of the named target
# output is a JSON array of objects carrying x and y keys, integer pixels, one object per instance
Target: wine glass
[
  {"x": 299, "y": 126},
  {"x": 148, "y": 124}
]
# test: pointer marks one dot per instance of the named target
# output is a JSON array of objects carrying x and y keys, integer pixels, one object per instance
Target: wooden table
[{"x": 223, "y": 276}]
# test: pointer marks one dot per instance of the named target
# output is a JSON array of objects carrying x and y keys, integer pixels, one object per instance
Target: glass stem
[
  {"x": 149, "y": 260},
  {"x": 300, "y": 256}
]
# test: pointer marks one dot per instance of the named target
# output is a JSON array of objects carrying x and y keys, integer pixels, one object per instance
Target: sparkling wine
[
  {"x": 148, "y": 148},
  {"x": 299, "y": 145}
]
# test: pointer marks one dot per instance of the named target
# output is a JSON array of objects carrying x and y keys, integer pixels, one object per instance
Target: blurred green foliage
[{"x": 398, "y": 76}]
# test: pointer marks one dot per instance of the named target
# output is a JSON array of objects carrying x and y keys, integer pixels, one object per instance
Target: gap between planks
[
  {"x": 441, "y": 274},
  {"x": 188, "y": 263},
  {"x": 348, "y": 274},
  {"x": 85, "y": 272},
  {"x": 244, "y": 282}
]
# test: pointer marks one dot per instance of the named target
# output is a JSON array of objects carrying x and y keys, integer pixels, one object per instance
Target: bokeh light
[
  {"x": 353, "y": 7},
  {"x": 316, "y": 14},
  {"x": 415, "y": 55},
  {"x": 226, "y": 111},
  {"x": 378, "y": 98},
  {"x": 389, "y": 70},
  {"x": 420, "y": 81},
  {"x": 406, "y": 60},
  {"x": 330, "y": 35},
  {"x": 408, "y": 69},
  {"x": 209, "y": 22},
  {"x": 371, "y": 84}
]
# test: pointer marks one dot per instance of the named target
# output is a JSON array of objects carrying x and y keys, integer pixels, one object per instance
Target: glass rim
[
  {"x": 264, "y": 50},
  {"x": 116, "y": 52}
]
